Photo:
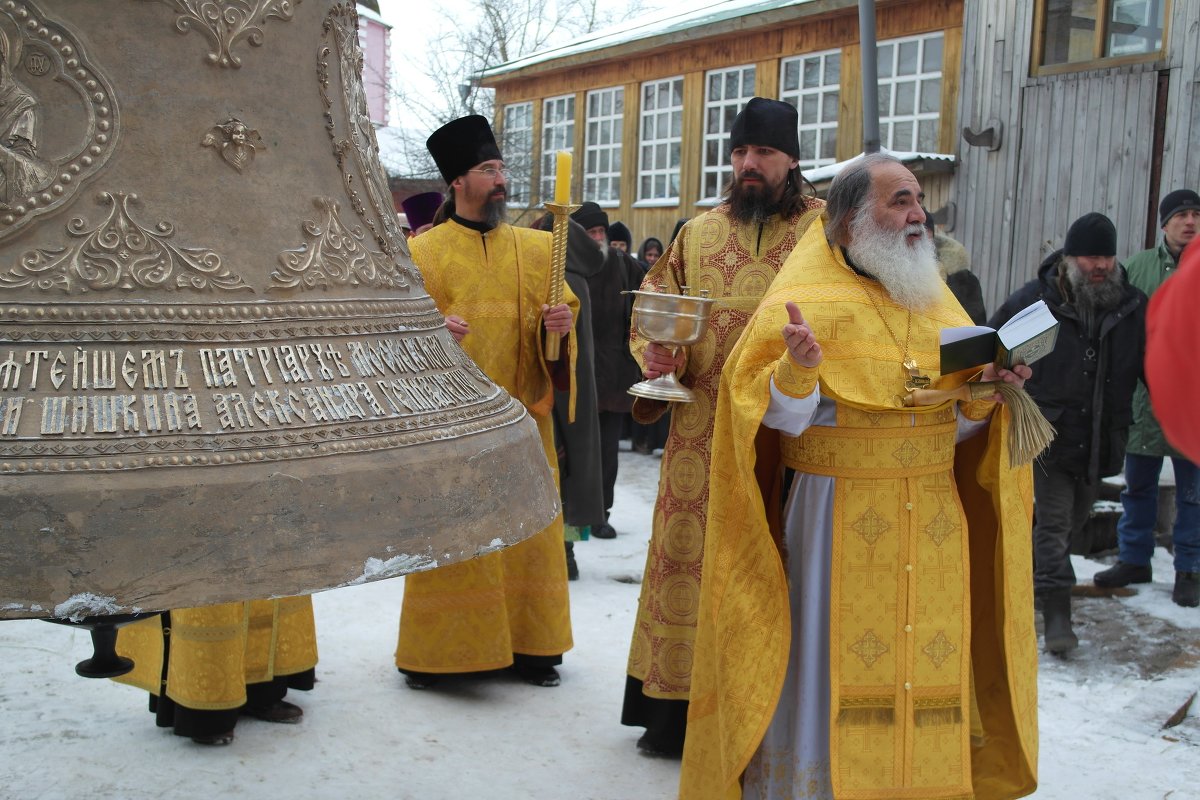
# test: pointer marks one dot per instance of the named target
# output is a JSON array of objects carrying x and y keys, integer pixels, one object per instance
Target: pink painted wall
[{"x": 373, "y": 39}]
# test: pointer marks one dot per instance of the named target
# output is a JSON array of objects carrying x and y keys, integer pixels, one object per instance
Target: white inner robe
[{"x": 792, "y": 761}]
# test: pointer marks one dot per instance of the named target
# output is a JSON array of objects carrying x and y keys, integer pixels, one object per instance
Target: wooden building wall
[
  {"x": 763, "y": 48},
  {"x": 1073, "y": 142}
]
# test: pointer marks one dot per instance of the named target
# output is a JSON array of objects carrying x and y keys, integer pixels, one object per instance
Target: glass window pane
[
  {"x": 883, "y": 58},
  {"x": 828, "y": 142},
  {"x": 648, "y": 131},
  {"x": 748, "y": 78},
  {"x": 808, "y": 144},
  {"x": 885, "y": 100},
  {"x": 675, "y": 156},
  {"x": 931, "y": 58},
  {"x": 732, "y": 80},
  {"x": 714, "y": 88},
  {"x": 677, "y": 93},
  {"x": 731, "y": 113},
  {"x": 906, "y": 63},
  {"x": 645, "y": 190},
  {"x": 591, "y": 161},
  {"x": 1070, "y": 31},
  {"x": 710, "y": 185},
  {"x": 1134, "y": 26},
  {"x": 808, "y": 109},
  {"x": 829, "y": 106},
  {"x": 674, "y": 186},
  {"x": 791, "y": 75},
  {"x": 906, "y": 98},
  {"x": 605, "y": 135},
  {"x": 812, "y": 73},
  {"x": 931, "y": 96},
  {"x": 927, "y": 136},
  {"x": 660, "y": 156},
  {"x": 647, "y": 157},
  {"x": 902, "y": 136},
  {"x": 712, "y": 151},
  {"x": 660, "y": 185},
  {"x": 677, "y": 124},
  {"x": 604, "y": 160},
  {"x": 833, "y": 69},
  {"x": 647, "y": 97}
]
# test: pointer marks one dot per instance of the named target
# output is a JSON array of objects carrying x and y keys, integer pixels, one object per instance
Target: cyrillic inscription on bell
[{"x": 216, "y": 357}]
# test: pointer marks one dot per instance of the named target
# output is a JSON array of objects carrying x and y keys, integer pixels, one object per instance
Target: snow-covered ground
[{"x": 365, "y": 735}]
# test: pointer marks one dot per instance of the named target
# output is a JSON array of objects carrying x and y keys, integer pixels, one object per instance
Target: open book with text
[{"x": 1025, "y": 338}]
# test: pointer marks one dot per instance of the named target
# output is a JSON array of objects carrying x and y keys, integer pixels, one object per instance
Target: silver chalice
[{"x": 674, "y": 321}]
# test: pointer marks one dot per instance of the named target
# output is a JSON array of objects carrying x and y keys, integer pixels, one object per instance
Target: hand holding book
[{"x": 1022, "y": 340}]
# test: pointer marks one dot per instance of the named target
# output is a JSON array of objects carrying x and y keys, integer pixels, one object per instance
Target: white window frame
[
  {"x": 558, "y": 133},
  {"x": 817, "y": 106},
  {"x": 721, "y": 105},
  {"x": 518, "y": 151},
  {"x": 662, "y": 174},
  {"x": 602, "y": 159},
  {"x": 892, "y": 122}
]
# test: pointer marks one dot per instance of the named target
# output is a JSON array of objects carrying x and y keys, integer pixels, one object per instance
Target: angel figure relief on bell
[{"x": 235, "y": 141}]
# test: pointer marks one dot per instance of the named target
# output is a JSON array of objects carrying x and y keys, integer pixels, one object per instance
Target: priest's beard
[
  {"x": 1092, "y": 299},
  {"x": 752, "y": 205},
  {"x": 909, "y": 273},
  {"x": 495, "y": 210}
]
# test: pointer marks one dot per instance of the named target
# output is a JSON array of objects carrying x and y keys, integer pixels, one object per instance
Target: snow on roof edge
[
  {"x": 830, "y": 171},
  {"x": 658, "y": 23}
]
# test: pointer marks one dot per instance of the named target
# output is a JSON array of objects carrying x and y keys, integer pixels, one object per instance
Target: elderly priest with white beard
[{"x": 873, "y": 636}]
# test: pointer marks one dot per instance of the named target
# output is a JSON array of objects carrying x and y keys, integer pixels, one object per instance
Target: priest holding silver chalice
[{"x": 694, "y": 303}]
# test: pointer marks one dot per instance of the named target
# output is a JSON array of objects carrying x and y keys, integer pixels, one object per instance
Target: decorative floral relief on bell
[{"x": 227, "y": 22}]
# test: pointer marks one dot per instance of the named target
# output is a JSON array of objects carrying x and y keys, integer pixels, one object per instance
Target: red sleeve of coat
[{"x": 1173, "y": 354}]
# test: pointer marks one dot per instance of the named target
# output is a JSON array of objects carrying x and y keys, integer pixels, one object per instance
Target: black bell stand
[{"x": 104, "y": 663}]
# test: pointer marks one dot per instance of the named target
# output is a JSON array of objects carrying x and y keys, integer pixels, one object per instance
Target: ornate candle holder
[{"x": 673, "y": 321}]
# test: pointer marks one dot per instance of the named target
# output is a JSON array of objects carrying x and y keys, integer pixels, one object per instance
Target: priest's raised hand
[{"x": 801, "y": 342}]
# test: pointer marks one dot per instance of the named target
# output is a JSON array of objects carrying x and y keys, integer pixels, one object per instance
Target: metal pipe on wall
[{"x": 870, "y": 75}]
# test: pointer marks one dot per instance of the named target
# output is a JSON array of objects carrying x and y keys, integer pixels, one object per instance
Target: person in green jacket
[{"x": 1179, "y": 215}]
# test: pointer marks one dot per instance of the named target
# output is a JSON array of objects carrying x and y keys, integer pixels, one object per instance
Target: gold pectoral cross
[{"x": 915, "y": 379}]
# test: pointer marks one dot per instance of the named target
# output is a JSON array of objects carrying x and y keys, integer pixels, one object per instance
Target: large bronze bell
[{"x": 220, "y": 377}]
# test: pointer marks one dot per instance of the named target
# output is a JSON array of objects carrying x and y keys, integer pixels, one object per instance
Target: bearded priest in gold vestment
[
  {"x": 874, "y": 637},
  {"x": 492, "y": 282},
  {"x": 733, "y": 251}
]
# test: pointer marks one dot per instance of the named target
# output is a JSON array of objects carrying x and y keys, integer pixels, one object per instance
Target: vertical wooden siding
[{"x": 1073, "y": 143}]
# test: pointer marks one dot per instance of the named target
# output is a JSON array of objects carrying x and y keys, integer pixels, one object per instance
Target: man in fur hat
[
  {"x": 734, "y": 250},
  {"x": 492, "y": 281},
  {"x": 1085, "y": 389}
]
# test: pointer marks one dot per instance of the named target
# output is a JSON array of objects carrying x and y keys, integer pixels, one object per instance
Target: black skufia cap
[
  {"x": 461, "y": 144},
  {"x": 1091, "y": 235},
  {"x": 590, "y": 215},
  {"x": 767, "y": 123},
  {"x": 619, "y": 232}
]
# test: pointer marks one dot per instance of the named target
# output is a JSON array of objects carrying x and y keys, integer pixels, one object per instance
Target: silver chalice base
[{"x": 674, "y": 321}]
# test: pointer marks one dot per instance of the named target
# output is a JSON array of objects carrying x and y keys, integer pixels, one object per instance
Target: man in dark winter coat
[
  {"x": 1085, "y": 389},
  {"x": 578, "y": 443},
  {"x": 616, "y": 369}
]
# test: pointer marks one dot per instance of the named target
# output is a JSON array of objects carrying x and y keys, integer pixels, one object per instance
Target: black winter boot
[
  {"x": 572, "y": 567},
  {"x": 1187, "y": 589},
  {"x": 1123, "y": 574},
  {"x": 1056, "y": 613}
]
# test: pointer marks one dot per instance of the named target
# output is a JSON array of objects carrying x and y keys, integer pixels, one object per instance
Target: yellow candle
[{"x": 562, "y": 179}]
